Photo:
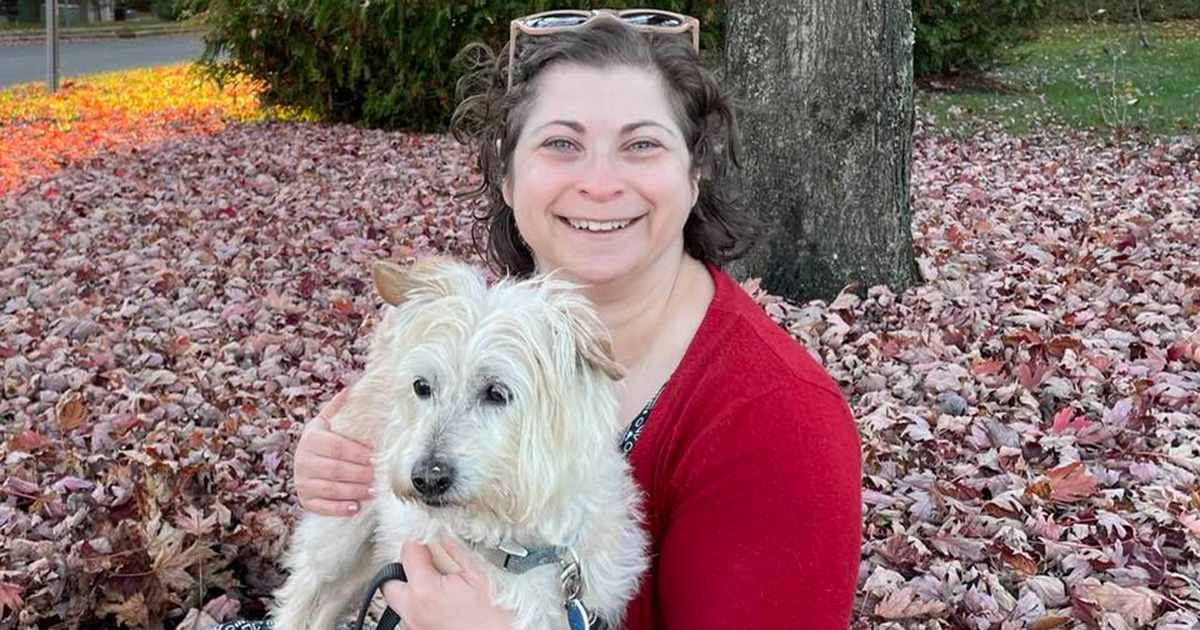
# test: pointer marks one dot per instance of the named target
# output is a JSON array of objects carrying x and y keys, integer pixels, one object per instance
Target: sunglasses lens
[
  {"x": 555, "y": 20},
  {"x": 650, "y": 18}
]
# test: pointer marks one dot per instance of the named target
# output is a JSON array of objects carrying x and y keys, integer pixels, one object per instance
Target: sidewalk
[{"x": 118, "y": 30}]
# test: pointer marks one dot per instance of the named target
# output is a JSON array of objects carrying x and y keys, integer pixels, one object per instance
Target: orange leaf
[{"x": 1049, "y": 623}]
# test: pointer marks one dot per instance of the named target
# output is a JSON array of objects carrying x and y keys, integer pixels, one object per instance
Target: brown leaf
[
  {"x": 131, "y": 611},
  {"x": 70, "y": 411},
  {"x": 1024, "y": 565},
  {"x": 1049, "y": 623}
]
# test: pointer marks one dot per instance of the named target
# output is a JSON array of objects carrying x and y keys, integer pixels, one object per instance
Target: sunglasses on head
[{"x": 564, "y": 20}]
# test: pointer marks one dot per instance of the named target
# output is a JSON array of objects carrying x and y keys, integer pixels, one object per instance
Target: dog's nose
[{"x": 432, "y": 477}]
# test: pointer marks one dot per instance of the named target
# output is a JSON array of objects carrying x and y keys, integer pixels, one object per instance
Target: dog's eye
[
  {"x": 495, "y": 394},
  {"x": 422, "y": 388}
]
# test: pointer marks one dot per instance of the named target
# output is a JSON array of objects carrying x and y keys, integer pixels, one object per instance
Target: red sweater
[{"x": 751, "y": 467}]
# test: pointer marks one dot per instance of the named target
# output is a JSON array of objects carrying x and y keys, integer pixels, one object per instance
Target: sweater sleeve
[{"x": 765, "y": 518}]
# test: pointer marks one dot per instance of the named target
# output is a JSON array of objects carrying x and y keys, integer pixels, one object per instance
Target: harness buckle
[{"x": 572, "y": 581}]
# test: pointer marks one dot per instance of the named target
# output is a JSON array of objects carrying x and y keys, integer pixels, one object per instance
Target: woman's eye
[
  {"x": 645, "y": 145},
  {"x": 560, "y": 143},
  {"x": 422, "y": 389},
  {"x": 495, "y": 394}
]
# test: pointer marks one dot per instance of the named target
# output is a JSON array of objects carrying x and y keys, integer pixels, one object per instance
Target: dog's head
[{"x": 495, "y": 401}]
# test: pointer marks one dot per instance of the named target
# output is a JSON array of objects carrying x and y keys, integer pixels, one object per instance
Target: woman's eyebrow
[{"x": 579, "y": 128}]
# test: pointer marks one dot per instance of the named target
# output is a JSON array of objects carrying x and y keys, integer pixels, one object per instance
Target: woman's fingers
[
  {"x": 330, "y": 508},
  {"x": 317, "y": 468},
  {"x": 332, "y": 490},
  {"x": 332, "y": 472},
  {"x": 333, "y": 446}
]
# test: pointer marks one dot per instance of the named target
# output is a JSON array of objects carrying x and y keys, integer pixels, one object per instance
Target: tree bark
[{"x": 825, "y": 90}]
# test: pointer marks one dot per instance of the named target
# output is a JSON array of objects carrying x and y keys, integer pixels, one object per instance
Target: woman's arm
[{"x": 763, "y": 525}]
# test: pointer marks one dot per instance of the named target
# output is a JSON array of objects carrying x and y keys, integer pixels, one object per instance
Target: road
[{"x": 27, "y": 62}]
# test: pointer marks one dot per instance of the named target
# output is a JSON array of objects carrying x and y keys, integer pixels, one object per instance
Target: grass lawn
[{"x": 1083, "y": 76}]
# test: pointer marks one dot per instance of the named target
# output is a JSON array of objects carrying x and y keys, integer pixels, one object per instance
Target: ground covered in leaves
[
  {"x": 40, "y": 132},
  {"x": 171, "y": 314}
]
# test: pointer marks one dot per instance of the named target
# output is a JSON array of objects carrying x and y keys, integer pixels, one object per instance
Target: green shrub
[
  {"x": 383, "y": 63},
  {"x": 966, "y": 35},
  {"x": 177, "y": 9},
  {"x": 1123, "y": 10}
]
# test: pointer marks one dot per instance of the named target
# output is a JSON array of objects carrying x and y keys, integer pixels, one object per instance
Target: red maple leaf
[
  {"x": 10, "y": 597},
  {"x": 1071, "y": 483},
  {"x": 1065, "y": 420}
]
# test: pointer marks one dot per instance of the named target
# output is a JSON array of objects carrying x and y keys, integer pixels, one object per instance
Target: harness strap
[{"x": 389, "y": 619}]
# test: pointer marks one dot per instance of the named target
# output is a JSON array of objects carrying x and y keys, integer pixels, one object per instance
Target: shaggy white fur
[{"x": 506, "y": 394}]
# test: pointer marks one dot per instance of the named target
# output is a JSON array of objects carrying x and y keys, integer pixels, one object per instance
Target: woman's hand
[
  {"x": 432, "y": 601},
  {"x": 332, "y": 473}
]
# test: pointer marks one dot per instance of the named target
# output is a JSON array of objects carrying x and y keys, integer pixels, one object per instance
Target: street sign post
[{"x": 51, "y": 46}]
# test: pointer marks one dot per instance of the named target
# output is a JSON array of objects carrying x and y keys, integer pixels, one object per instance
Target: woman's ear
[{"x": 506, "y": 190}]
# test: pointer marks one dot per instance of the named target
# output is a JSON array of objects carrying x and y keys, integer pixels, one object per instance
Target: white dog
[{"x": 494, "y": 421}]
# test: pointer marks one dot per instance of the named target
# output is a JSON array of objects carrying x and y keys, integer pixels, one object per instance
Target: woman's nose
[{"x": 600, "y": 180}]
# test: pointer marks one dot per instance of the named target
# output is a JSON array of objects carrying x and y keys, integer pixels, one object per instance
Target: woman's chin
[{"x": 593, "y": 272}]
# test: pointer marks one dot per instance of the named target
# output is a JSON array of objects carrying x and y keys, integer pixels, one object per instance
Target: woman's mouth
[{"x": 591, "y": 225}]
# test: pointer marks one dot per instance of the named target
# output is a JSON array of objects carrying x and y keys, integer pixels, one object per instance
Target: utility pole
[{"x": 51, "y": 46}]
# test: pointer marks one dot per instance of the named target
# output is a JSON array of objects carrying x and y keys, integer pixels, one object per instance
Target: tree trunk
[{"x": 826, "y": 107}]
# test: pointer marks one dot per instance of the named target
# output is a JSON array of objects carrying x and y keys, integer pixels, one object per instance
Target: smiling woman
[
  {"x": 610, "y": 155},
  {"x": 598, "y": 197}
]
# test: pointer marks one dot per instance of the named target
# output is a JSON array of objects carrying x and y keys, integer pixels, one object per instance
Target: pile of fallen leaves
[
  {"x": 40, "y": 132},
  {"x": 170, "y": 316},
  {"x": 1030, "y": 416}
]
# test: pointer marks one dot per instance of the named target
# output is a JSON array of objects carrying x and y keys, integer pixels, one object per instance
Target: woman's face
[{"x": 600, "y": 179}]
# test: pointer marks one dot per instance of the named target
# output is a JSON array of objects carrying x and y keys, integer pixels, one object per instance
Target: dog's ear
[
  {"x": 593, "y": 344},
  {"x": 437, "y": 274},
  {"x": 597, "y": 351}
]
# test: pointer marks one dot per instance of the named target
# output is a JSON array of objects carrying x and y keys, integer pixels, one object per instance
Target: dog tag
[{"x": 578, "y": 617}]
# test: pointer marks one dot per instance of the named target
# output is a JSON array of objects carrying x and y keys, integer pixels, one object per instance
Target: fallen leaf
[
  {"x": 1065, "y": 420},
  {"x": 10, "y": 597},
  {"x": 70, "y": 411},
  {"x": 1049, "y": 622},
  {"x": 1071, "y": 482},
  {"x": 903, "y": 604},
  {"x": 1135, "y": 605}
]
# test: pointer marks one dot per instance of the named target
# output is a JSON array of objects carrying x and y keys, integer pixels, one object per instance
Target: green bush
[
  {"x": 177, "y": 9},
  {"x": 383, "y": 63},
  {"x": 1124, "y": 10},
  {"x": 966, "y": 35}
]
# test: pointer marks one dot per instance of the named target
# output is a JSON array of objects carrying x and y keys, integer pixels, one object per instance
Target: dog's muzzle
[{"x": 432, "y": 478}]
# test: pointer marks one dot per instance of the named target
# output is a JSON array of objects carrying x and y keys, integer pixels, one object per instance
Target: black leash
[{"x": 389, "y": 619}]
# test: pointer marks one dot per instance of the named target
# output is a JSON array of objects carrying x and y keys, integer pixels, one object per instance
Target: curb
[{"x": 119, "y": 32}]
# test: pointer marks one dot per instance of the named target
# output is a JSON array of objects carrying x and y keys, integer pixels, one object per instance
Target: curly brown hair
[{"x": 491, "y": 117}]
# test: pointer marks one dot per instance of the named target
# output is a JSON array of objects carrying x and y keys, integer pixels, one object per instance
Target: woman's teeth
[{"x": 598, "y": 226}]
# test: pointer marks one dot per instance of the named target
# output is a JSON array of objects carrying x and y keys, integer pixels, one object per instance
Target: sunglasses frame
[{"x": 519, "y": 25}]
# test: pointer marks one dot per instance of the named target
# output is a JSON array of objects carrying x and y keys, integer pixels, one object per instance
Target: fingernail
[
  {"x": 371, "y": 491},
  {"x": 352, "y": 508}
]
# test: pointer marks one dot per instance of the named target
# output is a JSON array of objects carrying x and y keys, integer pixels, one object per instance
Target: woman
[{"x": 610, "y": 154}]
